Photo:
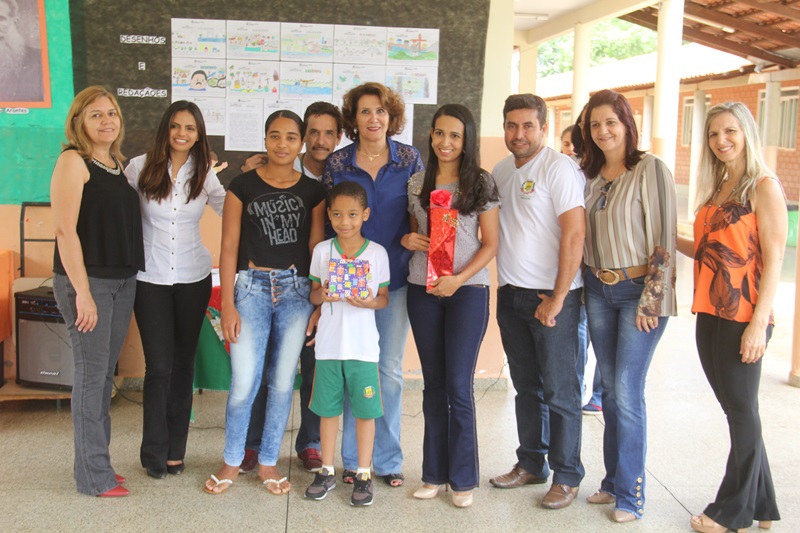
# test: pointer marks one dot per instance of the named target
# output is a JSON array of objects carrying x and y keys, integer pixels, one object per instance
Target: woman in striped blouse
[{"x": 631, "y": 223}]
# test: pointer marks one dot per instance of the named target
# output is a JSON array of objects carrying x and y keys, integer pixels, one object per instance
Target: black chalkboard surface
[{"x": 126, "y": 46}]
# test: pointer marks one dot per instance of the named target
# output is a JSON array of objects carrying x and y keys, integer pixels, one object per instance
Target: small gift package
[
  {"x": 442, "y": 224},
  {"x": 348, "y": 277}
]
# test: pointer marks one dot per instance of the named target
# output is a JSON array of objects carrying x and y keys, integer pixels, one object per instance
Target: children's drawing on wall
[
  {"x": 409, "y": 46},
  {"x": 254, "y": 40},
  {"x": 200, "y": 77},
  {"x": 253, "y": 79},
  {"x": 198, "y": 38},
  {"x": 417, "y": 85},
  {"x": 307, "y": 42},
  {"x": 24, "y": 70},
  {"x": 307, "y": 80},
  {"x": 345, "y": 77},
  {"x": 364, "y": 45}
]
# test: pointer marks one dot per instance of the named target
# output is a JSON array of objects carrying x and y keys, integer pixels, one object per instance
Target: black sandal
[
  {"x": 393, "y": 480},
  {"x": 348, "y": 477}
]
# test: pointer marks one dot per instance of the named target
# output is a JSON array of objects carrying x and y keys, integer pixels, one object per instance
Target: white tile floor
[{"x": 688, "y": 445}]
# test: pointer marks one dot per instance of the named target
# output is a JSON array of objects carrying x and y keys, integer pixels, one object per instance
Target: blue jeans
[
  {"x": 274, "y": 309},
  {"x": 542, "y": 362},
  {"x": 387, "y": 457},
  {"x": 448, "y": 333},
  {"x": 624, "y": 354},
  {"x": 95, "y": 354},
  {"x": 583, "y": 358}
]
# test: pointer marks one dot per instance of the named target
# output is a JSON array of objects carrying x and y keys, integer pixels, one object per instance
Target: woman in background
[
  {"x": 175, "y": 181},
  {"x": 739, "y": 237},
  {"x": 631, "y": 222},
  {"x": 449, "y": 320},
  {"x": 98, "y": 230}
]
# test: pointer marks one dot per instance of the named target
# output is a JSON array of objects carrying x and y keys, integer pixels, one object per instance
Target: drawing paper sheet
[
  {"x": 359, "y": 44},
  {"x": 198, "y": 38},
  {"x": 198, "y": 77},
  {"x": 306, "y": 80},
  {"x": 307, "y": 42},
  {"x": 417, "y": 85},
  {"x": 412, "y": 46},
  {"x": 244, "y": 125},
  {"x": 253, "y": 40},
  {"x": 253, "y": 79}
]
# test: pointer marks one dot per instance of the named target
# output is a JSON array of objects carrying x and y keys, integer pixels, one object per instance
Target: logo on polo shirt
[
  {"x": 528, "y": 186},
  {"x": 369, "y": 392}
]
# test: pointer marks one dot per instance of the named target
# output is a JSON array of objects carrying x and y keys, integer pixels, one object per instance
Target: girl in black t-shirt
[{"x": 272, "y": 219}]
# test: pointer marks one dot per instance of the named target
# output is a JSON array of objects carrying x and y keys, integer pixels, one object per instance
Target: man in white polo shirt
[{"x": 542, "y": 229}]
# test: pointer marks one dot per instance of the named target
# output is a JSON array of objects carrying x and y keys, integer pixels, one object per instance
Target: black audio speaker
[{"x": 44, "y": 349}]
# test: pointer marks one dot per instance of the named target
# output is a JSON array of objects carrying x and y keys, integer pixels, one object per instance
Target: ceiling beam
[
  {"x": 738, "y": 23},
  {"x": 724, "y": 45},
  {"x": 591, "y": 13},
  {"x": 773, "y": 7}
]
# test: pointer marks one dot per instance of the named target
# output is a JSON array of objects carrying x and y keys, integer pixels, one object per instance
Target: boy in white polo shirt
[{"x": 347, "y": 340}]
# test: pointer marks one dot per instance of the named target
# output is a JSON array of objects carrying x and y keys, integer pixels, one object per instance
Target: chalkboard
[{"x": 102, "y": 57}]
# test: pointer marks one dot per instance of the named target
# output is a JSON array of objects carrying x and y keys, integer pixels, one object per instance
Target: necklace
[
  {"x": 373, "y": 157},
  {"x": 719, "y": 188},
  {"x": 114, "y": 171}
]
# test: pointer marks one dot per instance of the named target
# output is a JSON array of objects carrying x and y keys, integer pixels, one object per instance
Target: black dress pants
[
  {"x": 169, "y": 319},
  {"x": 746, "y": 492}
]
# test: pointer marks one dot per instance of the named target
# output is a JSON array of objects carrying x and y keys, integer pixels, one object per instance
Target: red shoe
[
  {"x": 312, "y": 461},
  {"x": 116, "y": 492},
  {"x": 249, "y": 463},
  {"x": 119, "y": 479}
]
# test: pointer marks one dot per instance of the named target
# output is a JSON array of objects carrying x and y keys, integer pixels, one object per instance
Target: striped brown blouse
[{"x": 632, "y": 221}]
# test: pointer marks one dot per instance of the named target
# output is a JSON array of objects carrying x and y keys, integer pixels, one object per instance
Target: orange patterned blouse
[{"x": 727, "y": 261}]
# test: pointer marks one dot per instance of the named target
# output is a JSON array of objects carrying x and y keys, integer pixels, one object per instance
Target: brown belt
[{"x": 611, "y": 276}]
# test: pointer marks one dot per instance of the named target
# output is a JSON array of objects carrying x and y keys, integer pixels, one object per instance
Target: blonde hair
[
  {"x": 712, "y": 171},
  {"x": 76, "y": 133}
]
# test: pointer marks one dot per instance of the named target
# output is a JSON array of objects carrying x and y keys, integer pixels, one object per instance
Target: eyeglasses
[{"x": 604, "y": 199}]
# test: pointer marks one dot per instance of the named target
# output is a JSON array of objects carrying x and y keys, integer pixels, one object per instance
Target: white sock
[
  {"x": 329, "y": 468},
  {"x": 364, "y": 471}
]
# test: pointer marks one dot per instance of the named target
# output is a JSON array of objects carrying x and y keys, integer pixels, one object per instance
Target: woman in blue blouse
[{"x": 372, "y": 114}]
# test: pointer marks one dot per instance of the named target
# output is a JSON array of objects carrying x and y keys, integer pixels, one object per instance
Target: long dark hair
[
  {"x": 593, "y": 158},
  {"x": 577, "y": 134},
  {"x": 154, "y": 180},
  {"x": 474, "y": 184}
]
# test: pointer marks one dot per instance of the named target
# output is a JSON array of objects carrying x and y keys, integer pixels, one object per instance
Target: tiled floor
[{"x": 688, "y": 444}]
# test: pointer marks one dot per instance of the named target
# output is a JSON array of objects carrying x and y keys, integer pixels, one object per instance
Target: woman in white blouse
[{"x": 175, "y": 181}]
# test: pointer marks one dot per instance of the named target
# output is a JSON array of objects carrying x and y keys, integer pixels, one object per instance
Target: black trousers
[
  {"x": 169, "y": 319},
  {"x": 746, "y": 492}
]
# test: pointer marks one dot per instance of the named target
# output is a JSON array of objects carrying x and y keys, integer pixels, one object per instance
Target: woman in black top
[{"x": 99, "y": 250}]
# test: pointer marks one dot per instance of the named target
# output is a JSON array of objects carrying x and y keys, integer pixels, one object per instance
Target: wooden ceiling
[{"x": 766, "y": 32}]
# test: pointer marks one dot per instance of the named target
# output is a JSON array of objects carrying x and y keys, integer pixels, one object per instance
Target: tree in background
[{"x": 611, "y": 40}]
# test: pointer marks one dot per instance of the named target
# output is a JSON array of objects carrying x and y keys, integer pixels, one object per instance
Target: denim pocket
[
  {"x": 303, "y": 288},
  {"x": 639, "y": 282}
]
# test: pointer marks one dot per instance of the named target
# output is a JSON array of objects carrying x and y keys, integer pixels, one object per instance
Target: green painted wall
[{"x": 30, "y": 143}]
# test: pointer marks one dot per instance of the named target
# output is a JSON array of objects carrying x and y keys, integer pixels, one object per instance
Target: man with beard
[
  {"x": 542, "y": 230},
  {"x": 20, "y": 64},
  {"x": 323, "y": 122}
]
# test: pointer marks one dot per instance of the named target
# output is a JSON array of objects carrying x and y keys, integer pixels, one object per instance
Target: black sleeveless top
[{"x": 109, "y": 227}]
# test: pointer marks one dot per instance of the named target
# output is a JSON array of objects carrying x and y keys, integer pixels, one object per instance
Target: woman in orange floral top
[{"x": 739, "y": 237}]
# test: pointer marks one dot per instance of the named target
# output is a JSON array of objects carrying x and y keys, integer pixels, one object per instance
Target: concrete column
[
  {"x": 772, "y": 122},
  {"x": 667, "y": 93},
  {"x": 552, "y": 133},
  {"x": 646, "y": 138},
  {"x": 698, "y": 123},
  {"x": 497, "y": 66},
  {"x": 528, "y": 63},
  {"x": 580, "y": 68}
]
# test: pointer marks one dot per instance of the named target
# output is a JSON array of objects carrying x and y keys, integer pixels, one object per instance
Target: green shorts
[{"x": 359, "y": 378}]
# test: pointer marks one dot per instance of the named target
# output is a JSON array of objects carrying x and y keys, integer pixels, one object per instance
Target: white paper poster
[
  {"x": 306, "y": 80},
  {"x": 198, "y": 38},
  {"x": 253, "y": 79},
  {"x": 407, "y": 135},
  {"x": 253, "y": 40},
  {"x": 307, "y": 42},
  {"x": 360, "y": 44},
  {"x": 298, "y": 106},
  {"x": 244, "y": 125},
  {"x": 345, "y": 77},
  {"x": 198, "y": 77},
  {"x": 213, "y": 110},
  {"x": 417, "y": 85},
  {"x": 412, "y": 46}
]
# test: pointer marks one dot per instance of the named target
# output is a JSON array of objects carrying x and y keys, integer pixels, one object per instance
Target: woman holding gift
[
  {"x": 449, "y": 318},
  {"x": 372, "y": 114}
]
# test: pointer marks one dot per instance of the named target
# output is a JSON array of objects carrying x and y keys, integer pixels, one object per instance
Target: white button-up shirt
[{"x": 173, "y": 250}]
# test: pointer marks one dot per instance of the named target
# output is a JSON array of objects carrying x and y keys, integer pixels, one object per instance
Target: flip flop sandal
[
  {"x": 393, "y": 480},
  {"x": 277, "y": 483},
  {"x": 226, "y": 483},
  {"x": 349, "y": 477}
]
